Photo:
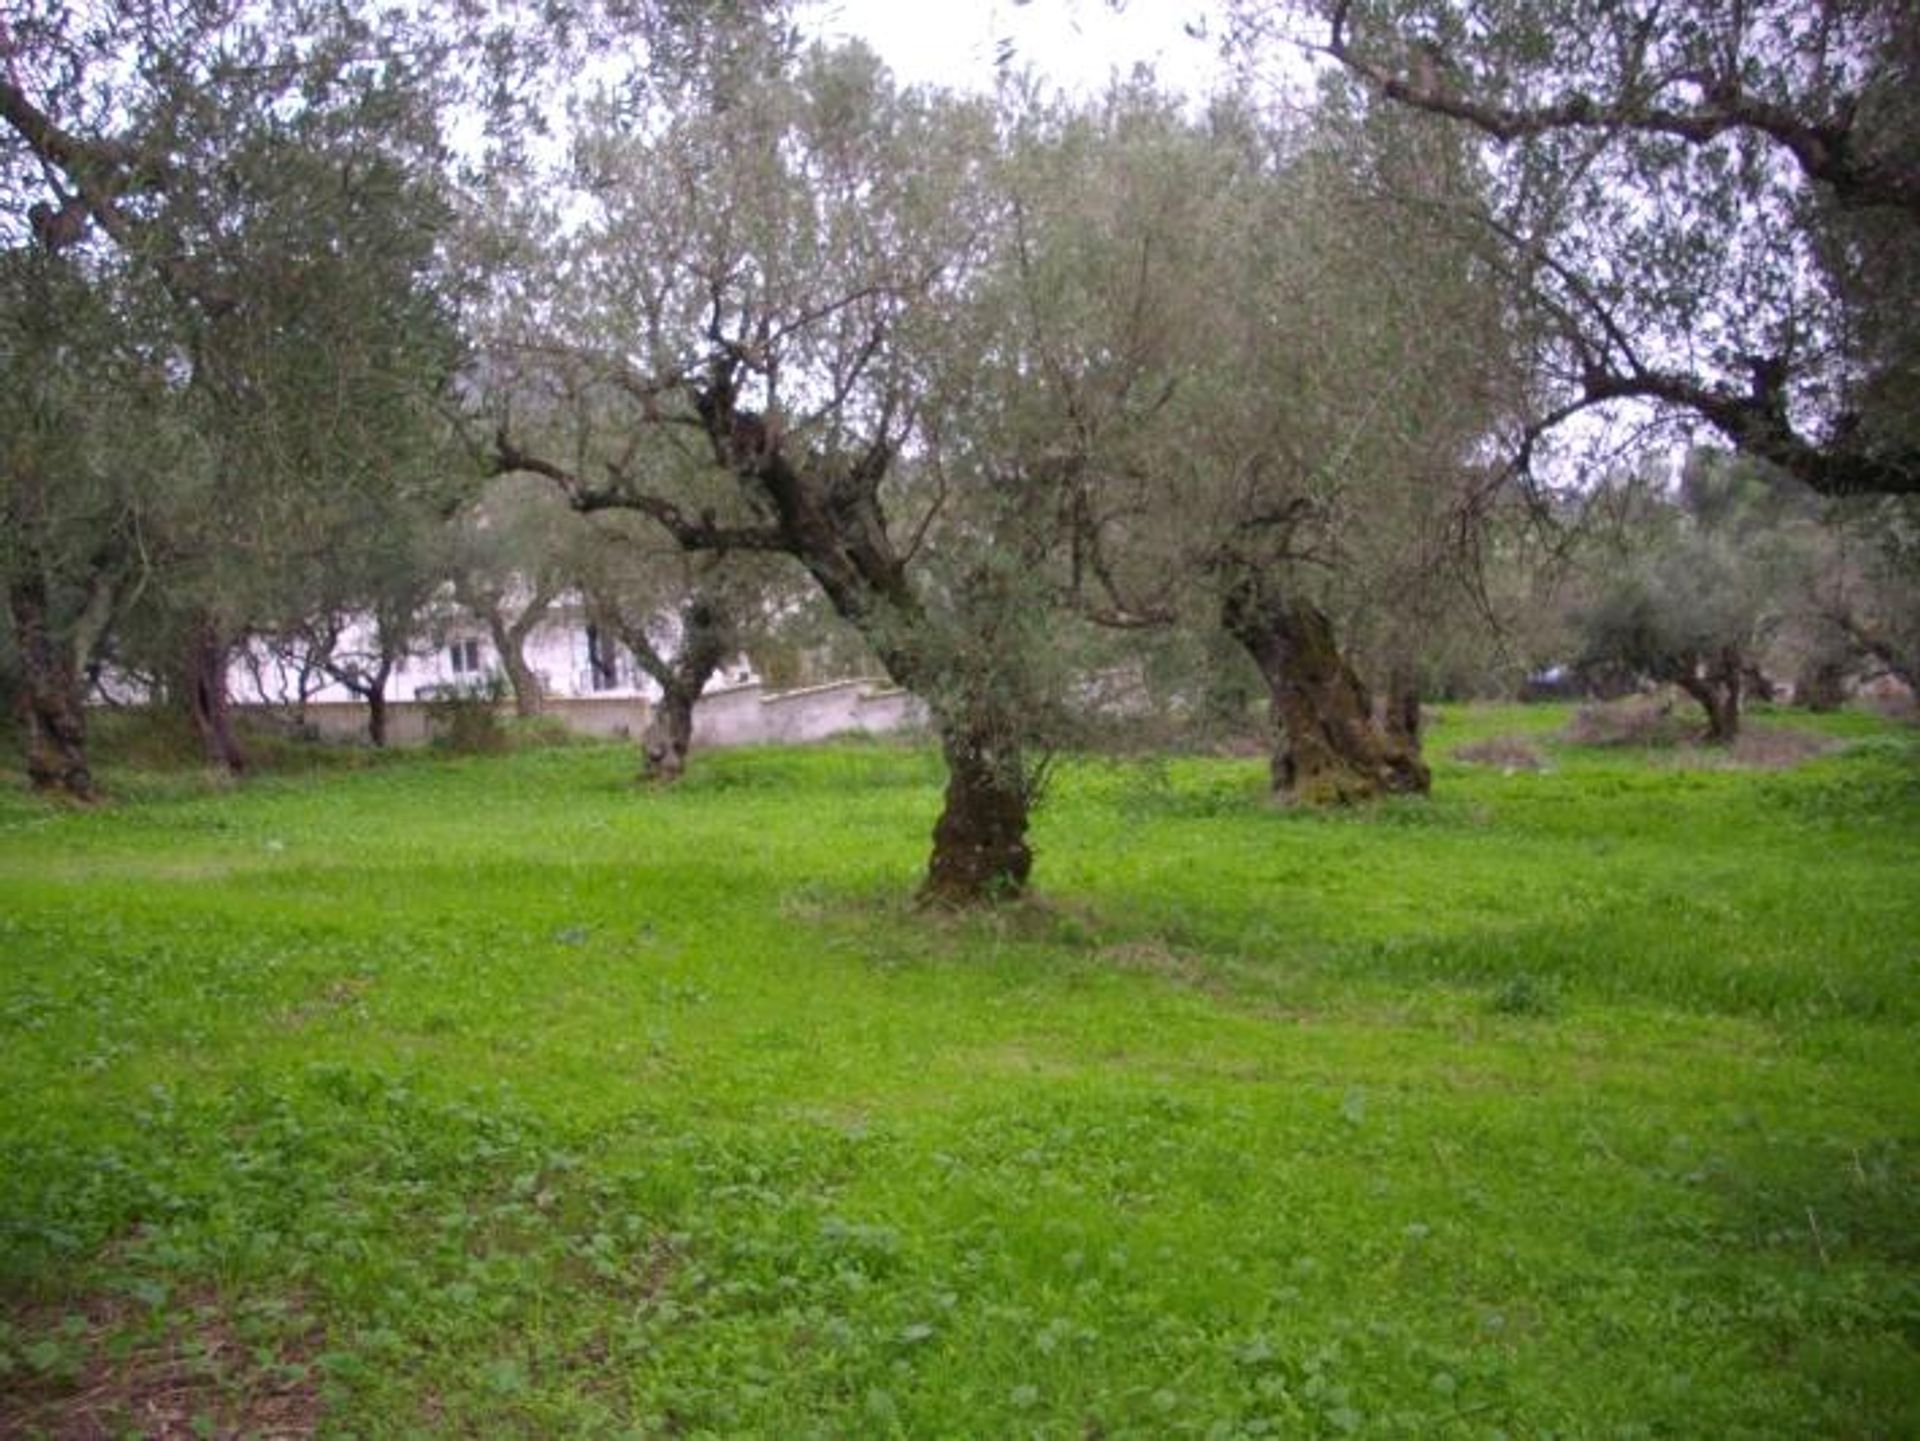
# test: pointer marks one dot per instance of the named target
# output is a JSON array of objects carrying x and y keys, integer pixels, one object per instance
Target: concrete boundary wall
[{"x": 733, "y": 716}]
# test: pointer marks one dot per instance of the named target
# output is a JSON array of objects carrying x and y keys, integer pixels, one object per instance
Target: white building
[{"x": 572, "y": 658}]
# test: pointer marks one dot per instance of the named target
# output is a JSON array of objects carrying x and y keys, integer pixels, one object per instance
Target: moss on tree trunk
[
  {"x": 980, "y": 850},
  {"x": 51, "y": 702},
  {"x": 1328, "y": 748}
]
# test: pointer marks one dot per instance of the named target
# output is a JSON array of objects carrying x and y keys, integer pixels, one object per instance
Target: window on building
[
  {"x": 465, "y": 657},
  {"x": 603, "y": 659}
]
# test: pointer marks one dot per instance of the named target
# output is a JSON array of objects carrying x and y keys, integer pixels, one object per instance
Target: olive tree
[
  {"x": 264, "y": 183},
  {"x": 777, "y": 278},
  {"x": 83, "y": 418},
  {"x": 681, "y": 616},
  {"x": 1287, "y": 411},
  {"x": 1866, "y": 592},
  {"x": 1710, "y": 212},
  {"x": 1700, "y": 580},
  {"x": 513, "y": 553}
]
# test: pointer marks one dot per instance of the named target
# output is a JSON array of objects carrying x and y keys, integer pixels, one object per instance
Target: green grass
[{"x": 497, "y": 1097}]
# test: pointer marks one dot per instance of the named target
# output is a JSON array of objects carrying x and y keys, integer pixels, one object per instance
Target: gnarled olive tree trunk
[
  {"x": 1716, "y": 683},
  {"x": 367, "y": 677},
  {"x": 827, "y": 514},
  {"x": 1329, "y": 751},
  {"x": 980, "y": 849},
  {"x": 669, "y": 735},
  {"x": 57, "y": 643},
  {"x": 202, "y": 688},
  {"x": 1401, "y": 716},
  {"x": 510, "y": 641},
  {"x": 52, "y": 699},
  {"x": 707, "y": 637},
  {"x": 1821, "y": 684},
  {"x": 529, "y": 700}
]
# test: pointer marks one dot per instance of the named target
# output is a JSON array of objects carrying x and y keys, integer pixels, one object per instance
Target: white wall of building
[
  {"x": 726, "y": 716},
  {"x": 461, "y": 656}
]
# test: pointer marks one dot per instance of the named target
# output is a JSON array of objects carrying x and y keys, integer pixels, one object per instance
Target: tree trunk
[
  {"x": 1402, "y": 719},
  {"x": 669, "y": 734},
  {"x": 1821, "y": 684},
  {"x": 528, "y": 699},
  {"x": 829, "y": 518},
  {"x": 707, "y": 635},
  {"x": 1328, "y": 749},
  {"x": 204, "y": 691},
  {"x": 1902, "y": 661},
  {"x": 52, "y": 701},
  {"x": 980, "y": 850},
  {"x": 1723, "y": 717},
  {"x": 1716, "y": 686},
  {"x": 375, "y": 693},
  {"x": 510, "y": 643}
]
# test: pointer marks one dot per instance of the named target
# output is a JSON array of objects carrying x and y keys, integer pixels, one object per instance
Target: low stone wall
[
  {"x": 346, "y": 721},
  {"x": 749, "y": 715},
  {"x": 738, "y": 715},
  {"x": 607, "y": 717}
]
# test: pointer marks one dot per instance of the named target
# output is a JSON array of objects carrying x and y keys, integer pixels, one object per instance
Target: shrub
[{"x": 466, "y": 719}]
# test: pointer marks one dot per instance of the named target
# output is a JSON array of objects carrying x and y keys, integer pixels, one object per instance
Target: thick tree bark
[
  {"x": 1329, "y": 751},
  {"x": 669, "y": 735},
  {"x": 377, "y": 717},
  {"x": 528, "y": 699},
  {"x": 510, "y": 643},
  {"x": 1401, "y": 718},
  {"x": 829, "y": 517},
  {"x": 203, "y": 691},
  {"x": 706, "y": 638},
  {"x": 980, "y": 849},
  {"x": 1716, "y": 685},
  {"x": 52, "y": 699}
]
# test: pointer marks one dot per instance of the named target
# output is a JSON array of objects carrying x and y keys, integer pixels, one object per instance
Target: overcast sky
[{"x": 1076, "y": 44}]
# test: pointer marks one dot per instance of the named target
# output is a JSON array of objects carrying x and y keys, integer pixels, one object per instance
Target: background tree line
[{"x": 1583, "y": 337}]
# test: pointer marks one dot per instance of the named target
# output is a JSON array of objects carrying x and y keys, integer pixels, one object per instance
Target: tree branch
[
  {"x": 704, "y": 533},
  {"x": 1823, "y": 149}
]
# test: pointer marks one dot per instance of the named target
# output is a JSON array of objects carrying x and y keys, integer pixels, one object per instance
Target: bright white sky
[{"x": 1075, "y": 44}]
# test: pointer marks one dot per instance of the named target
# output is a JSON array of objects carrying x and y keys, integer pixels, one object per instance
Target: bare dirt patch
[
  {"x": 1759, "y": 748},
  {"x": 1777, "y": 748},
  {"x": 1651, "y": 720},
  {"x": 107, "y": 1372},
  {"x": 1662, "y": 723},
  {"x": 1507, "y": 753}
]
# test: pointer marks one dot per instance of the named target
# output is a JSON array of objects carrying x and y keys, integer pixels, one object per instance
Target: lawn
[{"x": 494, "y": 1096}]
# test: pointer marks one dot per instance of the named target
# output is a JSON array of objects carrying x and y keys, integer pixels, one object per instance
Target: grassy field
[{"x": 495, "y": 1097}]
